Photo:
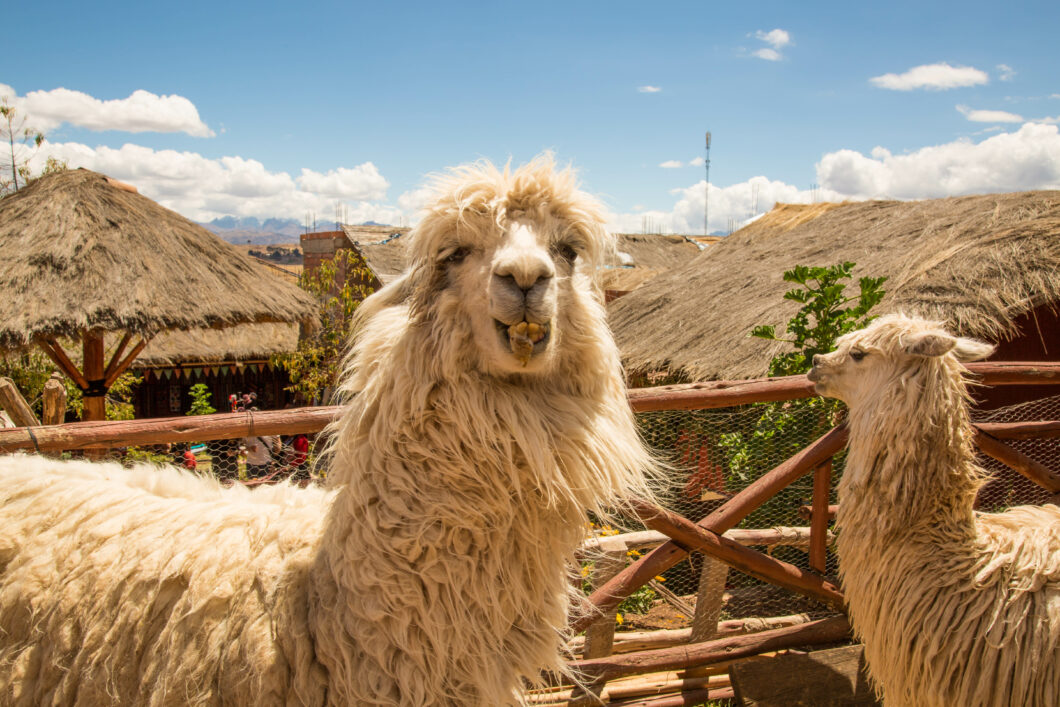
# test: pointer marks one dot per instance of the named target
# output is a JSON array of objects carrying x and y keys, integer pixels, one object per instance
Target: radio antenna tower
[{"x": 706, "y": 190}]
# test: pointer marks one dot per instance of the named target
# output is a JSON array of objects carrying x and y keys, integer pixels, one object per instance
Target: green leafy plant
[
  {"x": 200, "y": 400},
  {"x": 340, "y": 285},
  {"x": 783, "y": 428},
  {"x": 22, "y": 141},
  {"x": 826, "y": 314}
]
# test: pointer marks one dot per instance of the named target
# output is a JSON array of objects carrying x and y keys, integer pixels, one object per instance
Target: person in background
[{"x": 260, "y": 449}]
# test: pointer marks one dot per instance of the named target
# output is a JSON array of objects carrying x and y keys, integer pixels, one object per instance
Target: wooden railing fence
[{"x": 713, "y": 535}]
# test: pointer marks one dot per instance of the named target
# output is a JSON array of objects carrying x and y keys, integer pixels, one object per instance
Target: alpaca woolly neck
[
  {"x": 933, "y": 590},
  {"x": 472, "y": 491}
]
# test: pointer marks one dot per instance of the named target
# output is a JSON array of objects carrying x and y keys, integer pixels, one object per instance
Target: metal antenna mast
[{"x": 706, "y": 190}]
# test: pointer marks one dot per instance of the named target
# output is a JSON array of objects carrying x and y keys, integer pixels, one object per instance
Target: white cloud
[
  {"x": 1005, "y": 72},
  {"x": 142, "y": 111},
  {"x": 935, "y": 77},
  {"x": 989, "y": 116},
  {"x": 768, "y": 54},
  {"x": 697, "y": 162},
  {"x": 202, "y": 189},
  {"x": 649, "y": 89},
  {"x": 671, "y": 164},
  {"x": 733, "y": 205},
  {"x": 362, "y": 183},
  {"x": 777, "y": 39},
  {"x": 1028, "y": 158}
]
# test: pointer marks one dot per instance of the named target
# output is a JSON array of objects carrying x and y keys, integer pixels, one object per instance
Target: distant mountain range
[{"x": 270, "y": 231}]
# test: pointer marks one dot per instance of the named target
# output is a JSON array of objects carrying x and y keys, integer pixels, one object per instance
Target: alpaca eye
[
  {"x": 565, "y": 251},
  {"x": 457, "y": 256},
  {"x": 857, "y": 355}
]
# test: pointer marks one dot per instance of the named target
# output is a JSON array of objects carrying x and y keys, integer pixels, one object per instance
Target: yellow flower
[
  {"x": 618, "y": 619},
  {"x": 632, "y": 553},
  {"x": 660, "y": 578},
  {"x": 585, "y": 570}
]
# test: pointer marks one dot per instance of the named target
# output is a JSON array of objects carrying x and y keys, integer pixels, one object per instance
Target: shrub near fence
[{"x": 783, "y": 590}]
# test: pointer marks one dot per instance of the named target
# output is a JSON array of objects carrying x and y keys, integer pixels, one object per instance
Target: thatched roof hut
[
  {"x": 981, "y": 263},
  {"x": 639, "y": 257},
  {"x": 79, "y": 252},
  {"x": 82, "y": 254}
]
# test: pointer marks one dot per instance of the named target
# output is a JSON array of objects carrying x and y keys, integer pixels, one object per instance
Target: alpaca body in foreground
[
  {"x": 487, "y": 413},
  {"x": 954, "y": 607}
]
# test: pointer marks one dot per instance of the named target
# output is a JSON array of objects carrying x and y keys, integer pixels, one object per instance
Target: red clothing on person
[
  {"x": 189, "y": 460},
  {"x": 300, "y": 445}
]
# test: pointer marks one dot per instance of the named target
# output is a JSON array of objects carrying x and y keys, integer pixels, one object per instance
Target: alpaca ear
[
  {"x": 972, "y": 350},
  {"x": 929, "y": 343}
]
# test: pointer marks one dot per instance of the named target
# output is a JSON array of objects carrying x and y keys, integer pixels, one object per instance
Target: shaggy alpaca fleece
[
  {"x": 431, "y": 571},
  {"x": 954, "y": 607}
]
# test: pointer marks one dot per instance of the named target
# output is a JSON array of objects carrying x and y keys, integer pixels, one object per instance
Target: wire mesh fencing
[{"x": 714, "y": 454}]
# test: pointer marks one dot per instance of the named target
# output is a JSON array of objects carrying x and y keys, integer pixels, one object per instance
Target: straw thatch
[
  {"x": 382, "y": 247},
  {"x": 244, "y": 342},
  {"x": 80, "y": 252},
  {"x": 654, "y": 251},
  {"x": 977, "y": 262}
]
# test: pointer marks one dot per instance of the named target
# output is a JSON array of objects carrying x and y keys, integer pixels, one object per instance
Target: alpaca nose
[
  {"x": 816, "y": 359},
  {"x": 524, "y": 274}
]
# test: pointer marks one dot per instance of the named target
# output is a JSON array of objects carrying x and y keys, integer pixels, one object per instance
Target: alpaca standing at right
[{"x": 954, "y": 607}]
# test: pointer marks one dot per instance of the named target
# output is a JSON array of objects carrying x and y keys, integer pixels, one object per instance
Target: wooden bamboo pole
[
  {"x": 727, "y": 516},
  {"x": 59, "y": 358},
  {"x": 15, "y": 405},
  {"x": 116, "y": 356},
  {"x": 94, "y": 399},
  {"x": 1018, "y": 461},
  {"x": 124, "y": 433},
  {"x": 822, "y": 631},
  {"x": 631, "y": 641},
  {"x": 1037, "y": 429},
  {"x": 646, "y": 539},
  {"x": 822, "y": 486},
  {"x": 122, "y": 366},
  {"x": 783, "y": 574}
]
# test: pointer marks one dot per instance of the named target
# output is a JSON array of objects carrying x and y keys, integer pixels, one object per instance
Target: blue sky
[{"x": 270, "y": 109}]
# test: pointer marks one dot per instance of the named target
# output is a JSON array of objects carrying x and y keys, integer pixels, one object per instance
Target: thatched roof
[
  {"x": 79, "y": 251},
  {"x": 243, "y": 342},
  {"x": 977, "y": 262},
  {"x": 655, "y": 252},
  {"x": 382, "y": 247}
]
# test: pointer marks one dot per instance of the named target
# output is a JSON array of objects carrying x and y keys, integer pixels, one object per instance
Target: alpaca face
[
  {"x": 505, "y": 261},
  {"x": 510, "y": 285},
  {"x": 866, "y": 361}
]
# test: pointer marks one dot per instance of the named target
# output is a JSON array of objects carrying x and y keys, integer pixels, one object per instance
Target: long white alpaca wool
[
  {"x": 430, "y": 571},
  {"x": 954, "y": 607}
]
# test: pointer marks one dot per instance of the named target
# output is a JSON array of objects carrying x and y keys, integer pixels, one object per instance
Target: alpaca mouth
[{"x": 524, "y": 339}]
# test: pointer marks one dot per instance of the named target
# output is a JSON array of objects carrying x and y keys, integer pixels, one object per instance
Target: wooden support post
[
  {"x": 822, "y": 486},
  {"x": 15, "y": 405},
  {"x": 1020, "y": 462},
  {"x": 116, "y": 356},
  {"x": 694, "y": 537},
  {"x": 54, "y": 400},
  {"x": 115, "y": 370},
  {"x": 727, "y": 516},
  {"x": 55, "y": 352},
  {"x": 819, "y": 632},
  {"x": 709, "y": 599},
  {"x": 600, "y": 636}
]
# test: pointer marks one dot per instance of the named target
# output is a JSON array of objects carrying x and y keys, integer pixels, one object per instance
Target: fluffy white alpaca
[
  {"x": 954, "y": 607},
  {"x": 486, "y": 413}
]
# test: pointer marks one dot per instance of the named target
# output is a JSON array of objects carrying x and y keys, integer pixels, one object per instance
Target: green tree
[
  {"x": 22, "y": 142},
  {"x": 339, "y": 284}
]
